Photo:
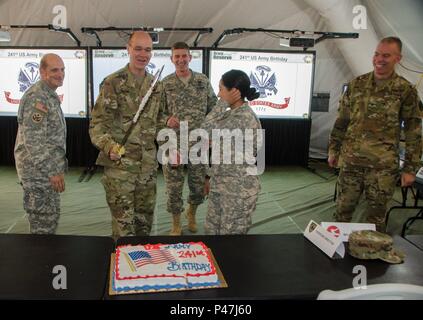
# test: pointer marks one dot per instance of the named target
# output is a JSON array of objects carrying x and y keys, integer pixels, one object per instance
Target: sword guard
[
  {"x": 118, "y": 149},
  {"x": 121, "y": 150}
]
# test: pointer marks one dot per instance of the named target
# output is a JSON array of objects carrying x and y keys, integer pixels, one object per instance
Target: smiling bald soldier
[
  {"x": 129, "y": 180},
  {"x": 40, "y": 148}
]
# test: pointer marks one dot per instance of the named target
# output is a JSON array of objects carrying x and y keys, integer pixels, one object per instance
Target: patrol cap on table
[{"x": 369, "y": 244}]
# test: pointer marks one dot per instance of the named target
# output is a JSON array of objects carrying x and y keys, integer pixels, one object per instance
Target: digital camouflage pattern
[
  {"x": 233, "y": 193},
  {"x": 118, "y": 101},
  {"x": 40, "y": 153},
  {"x": 232, "y": 201},
  {"x": 175, "y": 178},
  {"x": 189, "y": 102},
  {"x": 369, "y": 244},
  {"x": 42, "y": 205}
]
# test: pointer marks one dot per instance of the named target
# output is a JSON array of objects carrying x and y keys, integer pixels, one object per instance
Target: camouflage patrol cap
[{"x": 369, "y": 244}]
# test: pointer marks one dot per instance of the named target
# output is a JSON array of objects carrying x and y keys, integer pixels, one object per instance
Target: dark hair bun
[
  {"x": 252, "y": 94},
  {"x": 240, "y": 80}
]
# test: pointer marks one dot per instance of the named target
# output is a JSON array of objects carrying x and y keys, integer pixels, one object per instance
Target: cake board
[{"x": 223, "y": 283}]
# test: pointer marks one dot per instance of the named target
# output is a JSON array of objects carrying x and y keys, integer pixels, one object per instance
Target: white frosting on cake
[{"x": 163, "y": 266}]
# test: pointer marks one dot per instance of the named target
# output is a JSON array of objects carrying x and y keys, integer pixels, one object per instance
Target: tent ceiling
[
  {"x": 218, "y": 14},
  {"x": 388, "y": 17},
  {"x": 401, "y": 18}
]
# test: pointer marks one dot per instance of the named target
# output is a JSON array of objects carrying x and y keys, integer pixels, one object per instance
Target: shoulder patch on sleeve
[{"x": 37, "y": 117}]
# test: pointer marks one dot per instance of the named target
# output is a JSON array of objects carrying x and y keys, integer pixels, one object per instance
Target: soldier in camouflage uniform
[
  {"x": 233, "y": 189},
  {"x": 365, "y": 139},
  {"x": 40, "y": 148},
  {"x": 190, "y": 98},
  {"x": 129, "y": 179}
]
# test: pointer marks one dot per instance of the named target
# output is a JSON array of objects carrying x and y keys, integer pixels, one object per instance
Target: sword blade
[{"x": 142, "y": 105}]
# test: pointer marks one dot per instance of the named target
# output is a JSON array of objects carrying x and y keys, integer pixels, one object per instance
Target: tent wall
[{"x": 338, "y": 61}]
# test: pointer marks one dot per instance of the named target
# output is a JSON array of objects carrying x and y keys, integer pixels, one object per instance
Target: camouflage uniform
[
  {"x": 365, "y": 139},
  {"x": 189, "y": 102},
  {"x": 40, "y": 153},
  {"x": 130, "y": 183},
  {"x": 233, "y": 193}
]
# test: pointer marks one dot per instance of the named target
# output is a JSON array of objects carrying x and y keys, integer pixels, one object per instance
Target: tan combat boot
[
  {"x": 190, "y": 215},
  {"x": 176, "y": 227}
]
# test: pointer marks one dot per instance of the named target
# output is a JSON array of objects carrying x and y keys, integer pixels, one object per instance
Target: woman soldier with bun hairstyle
[{"x": 232, "y": 182}]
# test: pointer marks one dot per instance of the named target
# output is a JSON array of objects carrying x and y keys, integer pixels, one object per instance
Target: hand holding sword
[{"x": 118, "y": 150}]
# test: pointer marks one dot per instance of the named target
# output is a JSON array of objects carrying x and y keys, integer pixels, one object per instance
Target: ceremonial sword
[{"x": 121, "y": 147}]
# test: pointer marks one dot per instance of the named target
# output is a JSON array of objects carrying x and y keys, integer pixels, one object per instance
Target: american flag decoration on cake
[{"x": 141, "y": 258}]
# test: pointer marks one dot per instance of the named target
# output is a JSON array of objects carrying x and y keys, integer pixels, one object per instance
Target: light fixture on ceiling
[
  {"x": 284, "y": 42},
  {"x": 298, "y": 42},
  {"x": 4, "y": 34}
]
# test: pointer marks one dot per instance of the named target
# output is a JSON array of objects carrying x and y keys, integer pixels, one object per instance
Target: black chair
[
  {"x": 415, "y": 190},
  {"x": 407, "y": 224},
  {"x": 419, "y": 216}
]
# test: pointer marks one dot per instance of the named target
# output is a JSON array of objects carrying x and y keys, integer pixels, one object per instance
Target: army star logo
[
  {"x": 28, "y": 75},
  {"x": 264, "y": 81},
  {"x": 37, "y": 117}
]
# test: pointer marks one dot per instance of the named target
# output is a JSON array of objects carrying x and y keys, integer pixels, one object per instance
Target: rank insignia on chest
[{"x": 200, "y": 85}]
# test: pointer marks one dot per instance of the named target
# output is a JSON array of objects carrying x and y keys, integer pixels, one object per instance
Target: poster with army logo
[
  {"x": 20, "y": 70},
  {"x": 107, "y": 61},
  {"x": 284, "y": 80}
]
